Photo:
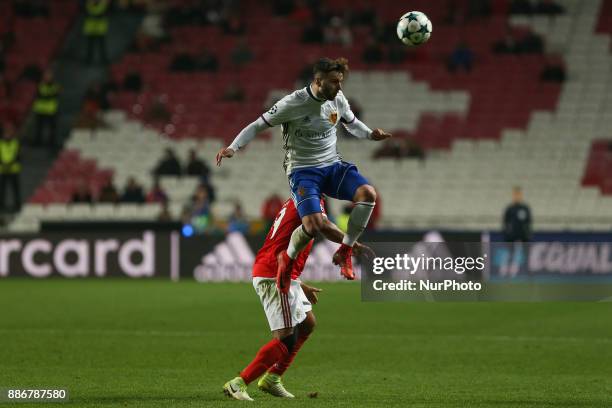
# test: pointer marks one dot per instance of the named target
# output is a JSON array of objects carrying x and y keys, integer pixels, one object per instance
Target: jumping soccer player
[
  {"x": 309, "y": 117},
  {"x": 289, "y": 313}
]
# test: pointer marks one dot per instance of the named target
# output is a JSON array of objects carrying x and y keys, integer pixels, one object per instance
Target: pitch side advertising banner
[
  {"x": 144, "y": 254},
  {"x": 164, "y": 254},
  {"x": 552, "y": 255}
]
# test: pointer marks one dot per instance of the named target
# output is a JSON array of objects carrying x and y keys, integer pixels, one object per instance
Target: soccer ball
[{"x": 414, "y": 28}]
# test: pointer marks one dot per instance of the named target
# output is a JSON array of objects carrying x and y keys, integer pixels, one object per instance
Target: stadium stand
[
  {"x": 484, "y": 131},
  {"x": 30, "y": 41}
]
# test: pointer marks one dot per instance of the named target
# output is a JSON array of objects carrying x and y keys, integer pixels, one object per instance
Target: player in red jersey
[{"x": 286, "y": 302}]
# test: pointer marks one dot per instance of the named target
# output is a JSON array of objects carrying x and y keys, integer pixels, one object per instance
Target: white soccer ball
[{"x": 414, "y": 28}]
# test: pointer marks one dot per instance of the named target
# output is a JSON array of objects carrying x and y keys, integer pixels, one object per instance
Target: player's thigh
[
  {"x": 344, "y": 181},
  {"x": 305, "y": 187},
  {"x": 277, "y": 306}
]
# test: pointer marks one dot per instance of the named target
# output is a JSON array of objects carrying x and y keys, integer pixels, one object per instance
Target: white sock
[
  {"x": 299, "y": 240},
  {"x": 357, "y": 222}
]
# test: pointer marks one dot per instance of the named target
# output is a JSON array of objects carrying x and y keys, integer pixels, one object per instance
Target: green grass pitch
[{"x": 120, "y": 343}]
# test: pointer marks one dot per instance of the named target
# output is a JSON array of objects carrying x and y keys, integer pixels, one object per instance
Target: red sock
[
  {"x": 283, "y": 363},
  {"x": 270, "y": 353}
]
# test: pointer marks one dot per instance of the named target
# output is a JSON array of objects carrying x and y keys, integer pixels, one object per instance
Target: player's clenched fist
[
  {"x": 225, "y": 152},
  {"x": 379, "y": 134}
]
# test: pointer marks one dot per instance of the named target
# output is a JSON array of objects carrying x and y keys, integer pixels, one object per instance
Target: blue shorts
[{"x": 340, "y": 180}]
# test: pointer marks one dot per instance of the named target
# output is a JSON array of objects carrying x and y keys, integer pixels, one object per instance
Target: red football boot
[
  {"x": 283, "y": 273},
  {"x": 342, "y": 258}
]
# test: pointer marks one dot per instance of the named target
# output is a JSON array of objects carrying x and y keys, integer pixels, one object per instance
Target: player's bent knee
[
  {"x": 313, "y": 224},
  {"x": 365, "y": 193}
]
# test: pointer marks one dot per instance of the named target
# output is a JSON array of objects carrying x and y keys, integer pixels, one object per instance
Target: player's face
[{"x": 331, "y": 83}]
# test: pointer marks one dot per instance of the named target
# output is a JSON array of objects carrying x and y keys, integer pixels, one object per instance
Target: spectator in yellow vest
[
  {"x": 46, "y": 107},
  {"x": 10, "y": 166},
  {"x": 95, "y": 28}
]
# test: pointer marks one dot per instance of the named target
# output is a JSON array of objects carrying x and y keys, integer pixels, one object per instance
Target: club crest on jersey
[
  {"x": 301, "y": 191},
  {"x": 333, "y": 117}
]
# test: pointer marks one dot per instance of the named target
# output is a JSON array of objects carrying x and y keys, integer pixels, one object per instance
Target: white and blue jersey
[
  {"x": 309, "y": 127},
  {"x": 312, "y": 161}
]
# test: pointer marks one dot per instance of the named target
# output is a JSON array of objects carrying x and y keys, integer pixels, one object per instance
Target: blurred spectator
[
  {"x": 158, "y": 112},
  {"x": 452, "y": 15},
  {"x": 531, "y": 44},
  {"x": 364, "y": 14},
  {"x": 133, "y": 192},
  {"x": 397, "y": 53},
  {"x": 313, "y": 34},
  {"x": 234, "y": 93},
  {"x": 95, "y": 29},
  {"x": 169, "y": 165},
  {"x": 478, "y": 8},
  {"x": 506, "y": 45},
  {"x": 10, "y": 166},
  {"x": 305, "y": 76},
  {"x": 412, "y": 150},
  {"x": 6, "y": 90},
  {"x": 157, "y": 193},
  {"x": 521, "y": 7},
  {"x": 207, "y": 61},
  {"x": 199, "y": 211},
  {"x": 2, "y": 58},
  {"x": 31, "y": 8},
  {"x": 90, "y": 114},
  {"x": 241, "y": 54},
  {"x": 549, "y": 8},
  {"x": 283, "y": 7},
  {"x": 183, "y": 62},
  {"x": 373, "y": 52},
  {"x": 82, "y": 194},
  {"x": 46, "y": 108},
  {"x": 391, "y": 148},
  {"x": 237, "y": 222},
  {"x": 233, "y": 24},
  {"x": 164, "y": 215},
  {"x": 527, "y": 7},
  {"x": 301, "y": 14},
  {"x": 271, "y": 206},
  {"x": 210, "y": 189},
  {"x": 553, "y": 72},
  {"x": 32, "y": 73},
  {"x": 109, "y": 193},
  {"x": 462, "y": 57},
  {"x": 517, "y": 219},
  {"x": 132, "y": 82},
  {"x": 196, "y": 166},
  {"x": 338, "y": 33}
]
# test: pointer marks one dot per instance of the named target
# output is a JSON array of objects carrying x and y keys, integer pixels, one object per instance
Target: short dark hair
[{"x": 326, "y": 65}]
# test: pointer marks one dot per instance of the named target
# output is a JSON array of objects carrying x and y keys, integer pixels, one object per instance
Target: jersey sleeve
[
  {"x": 346, "y": 114},
  {"x": 285, "y": 110}
]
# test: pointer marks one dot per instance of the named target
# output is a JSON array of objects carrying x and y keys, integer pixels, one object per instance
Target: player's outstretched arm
[
  {"x": 244, "y": 137},
  {"x": 361, "y": 131}
]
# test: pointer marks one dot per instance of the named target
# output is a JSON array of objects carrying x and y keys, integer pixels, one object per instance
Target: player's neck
[{"x": 316, "y": 92}]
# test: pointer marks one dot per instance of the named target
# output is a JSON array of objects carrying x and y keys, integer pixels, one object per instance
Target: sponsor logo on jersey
[{"x": 333, "y": 117}]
